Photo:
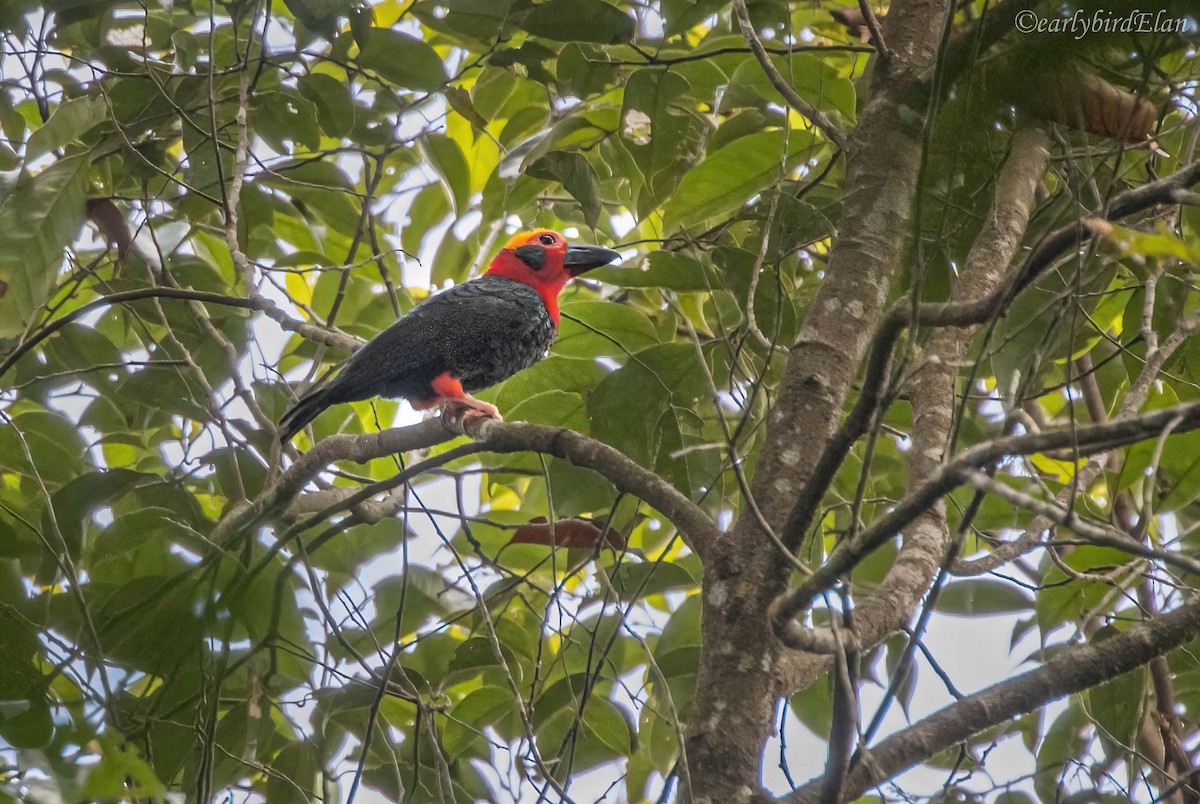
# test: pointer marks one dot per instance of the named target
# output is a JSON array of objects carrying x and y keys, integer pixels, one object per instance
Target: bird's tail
[{"x": 307, "y": 408}]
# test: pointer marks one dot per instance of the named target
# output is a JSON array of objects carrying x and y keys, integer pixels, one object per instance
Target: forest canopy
[{"x": 870, "y": 472}]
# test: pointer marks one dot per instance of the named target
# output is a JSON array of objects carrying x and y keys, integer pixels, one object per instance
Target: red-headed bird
[{"x": 464, "y": 339}]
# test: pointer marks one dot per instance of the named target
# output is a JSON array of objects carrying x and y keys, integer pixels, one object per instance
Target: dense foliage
[{"x": 244, "y": 190}]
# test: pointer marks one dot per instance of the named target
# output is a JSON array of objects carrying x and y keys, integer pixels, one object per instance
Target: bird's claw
[{"x": 462, "y": 409}]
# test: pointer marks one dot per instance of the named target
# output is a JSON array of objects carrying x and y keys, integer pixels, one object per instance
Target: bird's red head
[{"x": 543, "y": 260}]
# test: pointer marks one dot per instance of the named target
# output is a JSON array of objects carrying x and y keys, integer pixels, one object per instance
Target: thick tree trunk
[{"x": 738, "y": 682}]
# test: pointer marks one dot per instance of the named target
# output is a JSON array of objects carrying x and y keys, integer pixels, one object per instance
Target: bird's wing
[{"x": 456, "y": 328}]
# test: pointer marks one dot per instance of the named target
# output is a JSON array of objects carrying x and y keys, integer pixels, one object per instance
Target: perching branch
[
  {"x": 492, "y": 436},
  {"x": 696, "y": 527}
]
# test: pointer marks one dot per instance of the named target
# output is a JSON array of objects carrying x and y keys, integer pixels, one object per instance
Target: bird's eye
[{"x": 547, "y": 240}]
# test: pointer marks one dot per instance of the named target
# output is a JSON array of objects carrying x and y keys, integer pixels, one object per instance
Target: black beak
[{"x": 585, "y": 258}]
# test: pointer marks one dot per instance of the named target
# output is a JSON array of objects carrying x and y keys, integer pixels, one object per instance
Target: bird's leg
[
  {"x": 450, "y": 393},
  {"x": 471, "y": 403}
]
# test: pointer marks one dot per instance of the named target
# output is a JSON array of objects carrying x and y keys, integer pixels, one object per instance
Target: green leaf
[
  {"x": 666, "y": 381},
  {"x": 596, "y": 328},
  {"x": 658, "y": 131},
  {"x": 581, "y": 71},
  {"x": 599, "y": 735},
  {"x": 75, "y": 502},
  {"x": 576, "y": 175},
  {"x": 813, "y": 707},
  {"x": 53, "y": 441},
  {"x": 41, "y": 217},
  {"x": 335, "y": 107},
  {"x": 475, "y": 21},
  {"x": 403, "y": 60},
  {"x": 8, "y": 158},
  {"x": 813, "y": 77},
  {"x": 282, "y": 116},
  {"x": 1013, "y": 797},
  {"x": 479, "y": 709},
  {"x": 319, "y": 16},
  {"x": 555, "y": 373},
  {"x": 634, "y": 581},
  {"x": 724, "y": 181},
  {"x": 152, "y": 622},
  {"x": 69, "y": 122},
  {"x": 1063, "y": 600},
  {"x": 295, "y": 774},
  {"x": 444, "y": 155},
  {"x": 1117, "y": 706},
  {"x": 681, "y": 633},
  {"x": 26, "y": 724},
  {"x": 1063, "y": 742},
  {"x": 460, "y": 101},
  {"x": 555, "y": 408},
  {"x": 982, "y": 596},
  {"x": 609, "y": 724},
  {"x": 662, "y": 269},
  {"x": 121, "y": 774},
  {"x": 580, "y": 21},
  {"x": 19, "y": 676},
  {"x": 430, "y": 206}
]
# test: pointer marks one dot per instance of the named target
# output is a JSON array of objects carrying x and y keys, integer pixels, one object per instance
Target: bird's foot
[{"x": 466, "y": 406}]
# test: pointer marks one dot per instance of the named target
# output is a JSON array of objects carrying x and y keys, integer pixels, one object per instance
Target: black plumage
[{"x": 479, "y": 332}]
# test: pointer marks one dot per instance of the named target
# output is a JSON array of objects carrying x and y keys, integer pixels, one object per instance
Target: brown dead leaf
[
  {"x": 1088, "y": 103},
  {"x": 111, "y": 223},
  {"x": 572, "y": 533}
]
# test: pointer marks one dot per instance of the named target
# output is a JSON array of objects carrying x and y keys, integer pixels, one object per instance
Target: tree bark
[
  {"x": 738, "y": 676},
  {"x": 1072, "y": 671}
]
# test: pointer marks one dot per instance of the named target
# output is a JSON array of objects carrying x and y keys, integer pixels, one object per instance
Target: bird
[{"x": 464, "y": 339}]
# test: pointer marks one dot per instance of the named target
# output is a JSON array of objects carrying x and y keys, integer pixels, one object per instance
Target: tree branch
[
  {"x": 1135, "y": 397},
  {"x": 329, "y": 337},
  {"x": 1092, "y": 532},
  {"x": 740, "y": 669},
  {"x": 120, "y": 298},
  {"x": 932, "y": 390},
  {"x": 696, "y": 527},
  {"x": 803, "y": 107},
  {"x": 1073, "y": 670},
  {"x": 357, "y": 448},
  {"x": 1172, "y": 189},
  {"x": 1088, "y": 440},
  {"x": 492, "y": 436}
]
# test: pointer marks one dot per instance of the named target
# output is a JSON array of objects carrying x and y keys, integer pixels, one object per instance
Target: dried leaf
[
  {"x": 1089, "y": 103},
  {"x": 111, "y": 223},
  {"x": 566, "y": 533},
  {"x": 854, "y": 21}
]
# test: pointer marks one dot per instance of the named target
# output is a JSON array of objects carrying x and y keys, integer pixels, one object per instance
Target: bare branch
[
  {"x": 696, "y": 527},
  {"x": 1092, "y": 532},
  {"x": 492, "y": 436},
  {"x": 1091, "y": 439},
  {"x": 818, "y": 118},
  {"x": 1073, "y": 670},
  {"x": 872, "y": 23}
]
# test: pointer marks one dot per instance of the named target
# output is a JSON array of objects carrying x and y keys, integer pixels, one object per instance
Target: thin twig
[{"x": 815, "y": 115}]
